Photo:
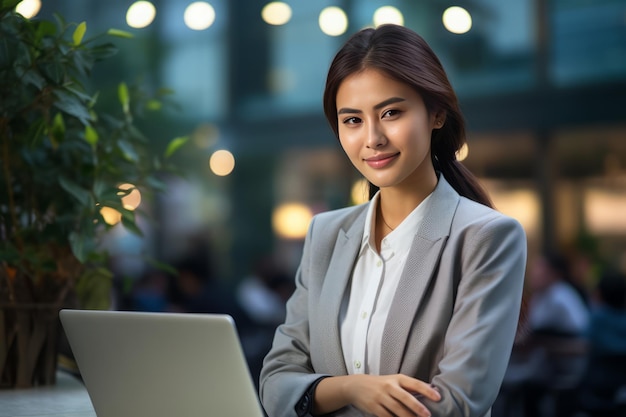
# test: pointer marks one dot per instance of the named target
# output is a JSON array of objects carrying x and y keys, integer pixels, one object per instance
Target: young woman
[{"x": 406, "y": 305}]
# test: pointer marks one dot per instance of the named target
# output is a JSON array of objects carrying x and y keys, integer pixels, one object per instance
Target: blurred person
[
  {"x": 605, "y": 374},
  {"x": 262, "y": 296},
  {"x": 195, "y": 287},
  {"x": 261, "y": 293},
  {"x": 408, "y": 304},
  {"x": 150, "y": 292},
  {"x": 556, "y": 347},
  {"x": 556, "y": 306}
]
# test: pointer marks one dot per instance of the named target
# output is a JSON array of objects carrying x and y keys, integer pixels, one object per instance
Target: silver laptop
[{"x": 137, "y": 364}]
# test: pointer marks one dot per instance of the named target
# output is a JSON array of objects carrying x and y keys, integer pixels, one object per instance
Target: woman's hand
[{"x": 381, "y": 395}]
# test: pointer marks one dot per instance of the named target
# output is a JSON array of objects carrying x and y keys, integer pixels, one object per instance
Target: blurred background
[{"x": 542, "y": 84}]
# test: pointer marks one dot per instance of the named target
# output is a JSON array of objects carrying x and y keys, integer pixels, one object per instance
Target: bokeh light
[
  {"x": 222, "y": 162},
  {"x": 388, "y": 14},
  {"x": 291, "y": 220},
  {"x": 333, "y": 21},
  {"x": 457, "y": 20},
  {"x": 359, "y": 193},
  {"x": 276, "y": 13},
  {"x": 199, "y": 15},
  {"x": 462, "y": 153},
  {"x": 28, "y": 8},
  {"x": 132, "y": 200},
  {"x": 110, "y": 215},
  {"x": 140, "y": 14}
]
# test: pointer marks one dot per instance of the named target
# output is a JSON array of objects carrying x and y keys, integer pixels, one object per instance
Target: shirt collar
[{"x": 402, "y": 235}]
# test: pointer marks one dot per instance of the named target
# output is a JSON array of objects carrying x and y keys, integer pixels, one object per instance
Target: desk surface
[{"x": 67, "y": 398}]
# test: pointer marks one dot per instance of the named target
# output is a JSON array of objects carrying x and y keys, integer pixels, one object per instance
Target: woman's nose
[{"x": 375, "y": 137}]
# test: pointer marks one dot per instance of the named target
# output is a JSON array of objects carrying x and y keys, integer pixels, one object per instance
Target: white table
[{"x": 67, "y": 398}]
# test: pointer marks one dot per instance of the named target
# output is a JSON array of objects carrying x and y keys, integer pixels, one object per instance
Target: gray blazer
[{"x": 453, "y": 318}]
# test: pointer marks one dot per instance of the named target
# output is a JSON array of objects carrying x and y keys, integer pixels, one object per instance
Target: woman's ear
[{"x": 440, "y": 119}]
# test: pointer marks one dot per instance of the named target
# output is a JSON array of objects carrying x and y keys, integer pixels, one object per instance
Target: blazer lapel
[
  {"x": 335, "y": 285},
  {"x": 419, "y": 270}
]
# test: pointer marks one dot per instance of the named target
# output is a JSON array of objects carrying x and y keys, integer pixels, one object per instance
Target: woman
[{"x": 406, "y": 305}]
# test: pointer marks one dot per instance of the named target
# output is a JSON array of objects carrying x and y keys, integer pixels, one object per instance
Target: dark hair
[{"x": 405, "y": 56}]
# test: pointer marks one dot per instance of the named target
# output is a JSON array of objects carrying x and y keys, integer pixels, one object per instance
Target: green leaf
[
  {"x": 120, "y": 33},
  {"x": 10, "y": 4},
  {"x": 124, "y": 97},
  {"x": 45, "y": 28},
  {"x": 165, "y": 91},
  {"x": 82, "y": 61},
  {"x": 175, "y": 144},
  {"x": 128, "y": 220},
  {"x": 79, "y": 249},
  {"x": 23, "y": 59},
  {"x": 154, "y": 105},
  {"x": 78, "y": 34},
  {"x": 94, "y": 289},
  {"x": 57, "y": 131},
  {"x": 91, "y": 136},
  {"x": 78, "y": 92},
  {"x": 54, "y": 70},
  {"x": 72, "y": 105},
  {"x": 103, "y": 51},
  {"x": 81, "y": 194},
  {"x": 128, "y": 151},
  {"x": 31, "y": 76}
]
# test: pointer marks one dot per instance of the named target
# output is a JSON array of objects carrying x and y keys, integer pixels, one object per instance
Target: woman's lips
[{"x": 381, "y": 161}]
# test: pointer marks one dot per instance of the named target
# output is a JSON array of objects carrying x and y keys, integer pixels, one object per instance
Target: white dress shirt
[{"x": 374, "y": 282}]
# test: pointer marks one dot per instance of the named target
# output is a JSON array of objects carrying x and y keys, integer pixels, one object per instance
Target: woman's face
[{"x": 385, "y": 129}]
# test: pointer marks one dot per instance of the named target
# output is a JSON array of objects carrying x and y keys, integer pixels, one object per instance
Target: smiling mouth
[{"x": 380, "y": 161}]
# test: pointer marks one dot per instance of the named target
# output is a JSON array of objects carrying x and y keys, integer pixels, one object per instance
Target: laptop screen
[{"x": 161, "y": 364}]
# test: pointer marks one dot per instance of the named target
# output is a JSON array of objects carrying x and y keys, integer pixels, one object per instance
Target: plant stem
[{"x": 7, "y": 176}]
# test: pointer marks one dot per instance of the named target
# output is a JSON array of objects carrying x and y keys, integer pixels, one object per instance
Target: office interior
[{"x": 541, "y": 83}]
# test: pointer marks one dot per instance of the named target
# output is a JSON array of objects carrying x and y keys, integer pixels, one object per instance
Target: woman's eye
[
  {"x": 391, "y": 113},
  {"x": 351, "y": 120}
]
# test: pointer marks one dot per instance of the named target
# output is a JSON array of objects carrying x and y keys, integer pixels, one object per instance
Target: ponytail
[{"x": 463, "y": 181}]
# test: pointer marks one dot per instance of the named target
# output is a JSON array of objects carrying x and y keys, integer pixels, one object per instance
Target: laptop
[{"x": 140, "y": 364}]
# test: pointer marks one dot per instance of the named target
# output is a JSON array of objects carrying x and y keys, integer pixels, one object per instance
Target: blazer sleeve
[
  {"x": 287, "y": 372},
  {"x": 479, "y": 338}
]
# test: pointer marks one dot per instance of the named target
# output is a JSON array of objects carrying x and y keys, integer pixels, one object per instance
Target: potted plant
[{"x": 62, "y": 160}]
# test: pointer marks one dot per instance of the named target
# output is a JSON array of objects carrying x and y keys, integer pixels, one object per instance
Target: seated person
[
  {"x": 606, "y": 368},
  {"x": 556, "y": 347}
]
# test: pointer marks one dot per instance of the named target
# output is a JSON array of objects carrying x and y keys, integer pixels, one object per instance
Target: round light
[
  {"x": 199, "y": 15},
  {"x": 140, "y": 14},
  {"x": 462, "y": 153},
  {"x": 110, "y": 215},
  {"x": 388, "y": 14},
  {"x": 333, "y": 21},
  {"x": 291, "y": 220},
  {"x": 131, "y": 200},
  {"x": 359, "y": 193},
  {"x": 222, "y": 163},
  {"x": 457, "y": 20},
  {"x": 28, "y": 8},
  {"x": 276, "y": 13}
]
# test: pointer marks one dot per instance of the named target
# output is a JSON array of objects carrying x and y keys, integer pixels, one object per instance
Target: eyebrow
[{"x": 378, "y": 106}]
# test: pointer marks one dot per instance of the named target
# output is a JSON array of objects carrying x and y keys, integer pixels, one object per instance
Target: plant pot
[{"x": 28, "y": 345}]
